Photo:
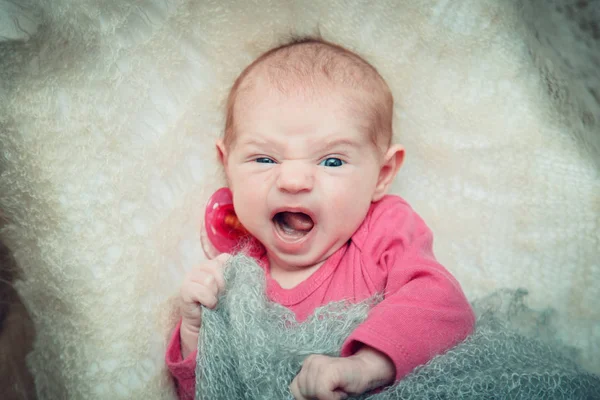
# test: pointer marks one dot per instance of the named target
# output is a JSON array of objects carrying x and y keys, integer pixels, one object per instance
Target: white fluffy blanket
[{"x": 109, "y": 111}]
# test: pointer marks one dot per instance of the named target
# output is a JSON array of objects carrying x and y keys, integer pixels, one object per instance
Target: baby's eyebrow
[
  {"x": 326, "y": 146},
  {"x": 255, "y": 142},
  {"x": 341, "y": 142}
]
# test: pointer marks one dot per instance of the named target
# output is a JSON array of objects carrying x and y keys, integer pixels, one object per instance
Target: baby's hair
[{"x": 301, "y": 64}]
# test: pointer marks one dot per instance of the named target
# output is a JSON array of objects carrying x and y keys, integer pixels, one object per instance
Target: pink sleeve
[
  {"x": 183, "y": 371},
  {"x": 424, "y": 311}
]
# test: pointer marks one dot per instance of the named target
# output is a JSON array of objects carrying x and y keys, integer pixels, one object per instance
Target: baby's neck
[{"x": 289, "y": 278}]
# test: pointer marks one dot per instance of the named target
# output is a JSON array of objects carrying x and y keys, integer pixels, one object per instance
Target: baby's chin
[{"x": 300, "y": 261}]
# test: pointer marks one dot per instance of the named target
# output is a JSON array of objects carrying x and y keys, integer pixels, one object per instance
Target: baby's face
[{"x": 303, "y": 171}]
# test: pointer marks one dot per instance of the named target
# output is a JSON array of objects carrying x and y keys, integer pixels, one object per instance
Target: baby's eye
[
  {"x": 264, "y": 160},
  {"x": 332, "y": 162}
]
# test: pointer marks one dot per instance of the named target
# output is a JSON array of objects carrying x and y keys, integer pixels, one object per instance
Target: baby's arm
[
  {"x": 201, "y": 286},
  {"x": 412, "y": 326},
  {"x": 182, "y": 370},
  {"x": 424, "y": 312}
]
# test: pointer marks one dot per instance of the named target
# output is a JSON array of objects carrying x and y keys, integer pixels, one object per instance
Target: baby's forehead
[
  {"x": 307, "y": 67},
  {"x": 314, "y": 69}
]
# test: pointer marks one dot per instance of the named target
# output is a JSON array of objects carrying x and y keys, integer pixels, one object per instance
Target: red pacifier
[{"x": 223, "y": 231}]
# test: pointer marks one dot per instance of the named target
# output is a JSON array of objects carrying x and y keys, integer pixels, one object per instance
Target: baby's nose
[{"x": 295, "y": 176}]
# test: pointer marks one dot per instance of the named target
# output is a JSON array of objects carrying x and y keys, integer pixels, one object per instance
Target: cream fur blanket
[{"x": 109, "y": 111}]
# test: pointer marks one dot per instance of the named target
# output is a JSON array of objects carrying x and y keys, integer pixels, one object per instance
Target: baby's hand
[
  {"x": 201, "y": 286},
  {"x": 334, "y": 378}
]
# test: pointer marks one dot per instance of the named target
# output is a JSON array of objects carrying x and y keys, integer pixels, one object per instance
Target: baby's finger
[
  {"x": 219, "y": 278},
  {"x": 198, "y": 293},
  {"x": 198, "y": 283},
  {"x": 222, "y": 258},
  {"x": 309, "y": 392},
  {"x": 295, "y": 390},
  {"x": 220, "y": 263},
  {"x": 207, "y": 276}
]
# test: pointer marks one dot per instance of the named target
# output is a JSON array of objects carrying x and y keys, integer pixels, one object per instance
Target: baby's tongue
[{"x": 297, "y": 221}]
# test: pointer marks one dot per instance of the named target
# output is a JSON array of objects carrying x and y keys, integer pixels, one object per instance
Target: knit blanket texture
[{"x": 252, "y": 348}]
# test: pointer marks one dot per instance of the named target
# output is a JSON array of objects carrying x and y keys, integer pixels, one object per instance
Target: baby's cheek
[
  {"x": 352, "y": 203},
  {"x": 343, "y": 208},
  {"x": 247, "y": 208}
]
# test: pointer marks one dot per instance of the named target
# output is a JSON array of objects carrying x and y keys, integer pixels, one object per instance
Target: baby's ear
[
  {"x": 221, "y": 152},
  {"x": 392, "y": 162}
]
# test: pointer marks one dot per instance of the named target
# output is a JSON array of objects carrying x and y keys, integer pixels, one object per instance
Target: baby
[{"x": 308, "y": 156}]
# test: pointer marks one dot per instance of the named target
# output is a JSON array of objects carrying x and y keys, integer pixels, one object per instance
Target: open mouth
[{"x": 293, "y": 225}]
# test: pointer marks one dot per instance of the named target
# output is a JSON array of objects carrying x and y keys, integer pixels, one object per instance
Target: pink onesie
[{"x": 424, "y": 311}]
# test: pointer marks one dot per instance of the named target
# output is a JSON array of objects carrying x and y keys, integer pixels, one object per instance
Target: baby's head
[
  {"x": 313, "y": 67},
  {"x": 307, "y": 148}
]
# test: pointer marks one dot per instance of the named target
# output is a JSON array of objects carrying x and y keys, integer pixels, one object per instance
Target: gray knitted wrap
[{"x": 252, "y": 348}]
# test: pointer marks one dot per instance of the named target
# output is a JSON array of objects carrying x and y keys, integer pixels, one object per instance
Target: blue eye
[
  {"x": 332, "y": 162},
  {"x": 264, "y": 160}
]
